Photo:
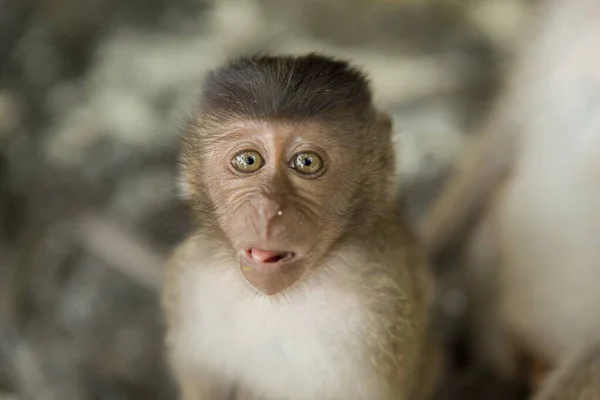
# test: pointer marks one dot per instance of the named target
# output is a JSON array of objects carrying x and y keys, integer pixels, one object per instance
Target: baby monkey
[{"x": 301, "y": 280}]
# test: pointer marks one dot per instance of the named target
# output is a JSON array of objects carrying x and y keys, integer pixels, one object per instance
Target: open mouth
[{"x": 268, "y": 256}]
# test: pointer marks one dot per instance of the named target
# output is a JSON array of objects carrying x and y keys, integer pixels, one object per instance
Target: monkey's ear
[{"x": 384, "y": 122}]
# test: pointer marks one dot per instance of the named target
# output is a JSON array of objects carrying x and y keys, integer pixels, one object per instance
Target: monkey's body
[
  {"x": 536, "y": 276},
  {"x": 549, "y": 212},
  {"x": 533, "y": 259},
  {"x": 549, "y": 228},
  {"x": 302, "y": 281},
  {"x": 349, "y": 331}
]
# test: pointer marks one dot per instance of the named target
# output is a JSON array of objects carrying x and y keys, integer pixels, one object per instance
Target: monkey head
[{"x": 286, "y": 158}]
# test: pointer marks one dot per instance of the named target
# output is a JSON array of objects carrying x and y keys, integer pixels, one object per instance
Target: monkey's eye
[
  {"x": 307, "y": 163},
  {"x": 248, "y": 161}
]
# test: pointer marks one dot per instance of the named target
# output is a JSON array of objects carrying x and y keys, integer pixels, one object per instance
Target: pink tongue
[{"x": 265, "y": 256}]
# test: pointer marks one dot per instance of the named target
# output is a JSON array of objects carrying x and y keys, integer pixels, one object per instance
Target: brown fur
[{"x": 348, "y": 316}]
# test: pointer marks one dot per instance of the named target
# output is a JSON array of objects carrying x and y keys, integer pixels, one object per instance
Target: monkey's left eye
[
  {"x": 307, "y": 163},
  {"x": 248, "y": 161}
]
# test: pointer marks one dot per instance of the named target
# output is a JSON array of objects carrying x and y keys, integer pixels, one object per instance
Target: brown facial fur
[{"x": 276, "y": 207}]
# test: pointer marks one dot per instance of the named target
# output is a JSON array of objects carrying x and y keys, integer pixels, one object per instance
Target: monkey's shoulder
[{"x": 394, "y": 247}]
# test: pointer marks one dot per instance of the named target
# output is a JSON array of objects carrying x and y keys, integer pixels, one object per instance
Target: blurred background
[{"x": 92, "y": 94}]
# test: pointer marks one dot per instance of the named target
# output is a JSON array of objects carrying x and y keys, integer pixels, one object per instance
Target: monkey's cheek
[{"x": 274, "y": 281}]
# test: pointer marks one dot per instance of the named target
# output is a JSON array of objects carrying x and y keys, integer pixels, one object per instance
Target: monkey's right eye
[{"x": 248, "y": 161}]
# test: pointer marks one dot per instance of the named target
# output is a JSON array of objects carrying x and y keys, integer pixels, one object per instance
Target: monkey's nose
[
  {"x": 268, "y": 256},
  {"x": 269, "y": 208}
]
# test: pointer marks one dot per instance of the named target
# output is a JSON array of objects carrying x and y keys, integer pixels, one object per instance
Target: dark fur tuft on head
[{"x": 311, "y": 86}]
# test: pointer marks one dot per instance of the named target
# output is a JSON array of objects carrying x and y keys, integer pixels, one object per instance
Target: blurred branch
[
  {"x": 24, "y": 367},
  {"x": 109, "y": 241}
]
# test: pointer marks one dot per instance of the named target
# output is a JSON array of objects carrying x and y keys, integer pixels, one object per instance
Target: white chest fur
[{"x": 310, "y": 343}]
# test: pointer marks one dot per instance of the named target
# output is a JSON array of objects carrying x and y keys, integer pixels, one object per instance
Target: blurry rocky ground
[{"x": 92, "y": 94}]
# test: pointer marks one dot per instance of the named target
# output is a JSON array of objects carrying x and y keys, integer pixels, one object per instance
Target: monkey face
[
  {"x": 286, "y": 157},
  {"x": 281, "y": 192}
]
